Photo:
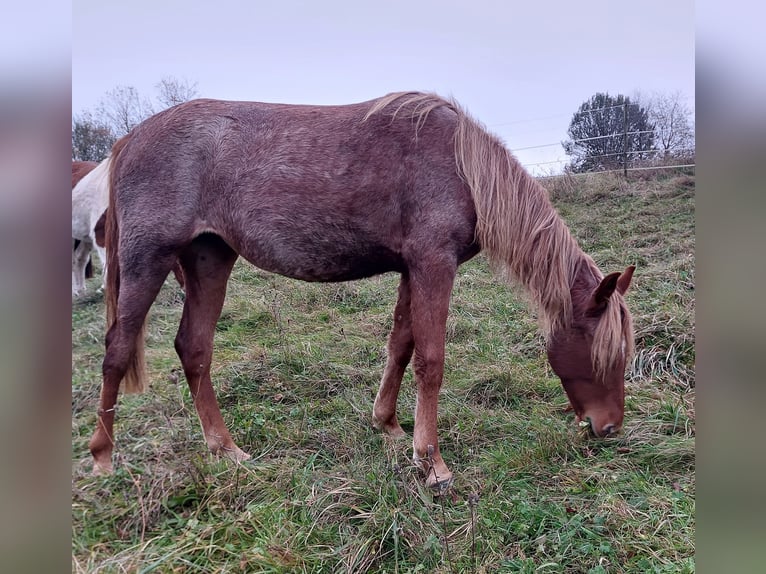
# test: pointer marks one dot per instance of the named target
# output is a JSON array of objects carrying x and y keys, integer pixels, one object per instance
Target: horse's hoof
[
  {"x": 235, "y": 454},
  {"x": 438, "y": 481},
  {"x": 440, "y": 487},
  {"x": 242, "y": 457},
  {"x": 394, "y": 430},
  {"x": 102, "y": 469}
]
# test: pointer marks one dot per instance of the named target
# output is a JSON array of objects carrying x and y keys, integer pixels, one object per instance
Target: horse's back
[{"x": 314, "y": 192}]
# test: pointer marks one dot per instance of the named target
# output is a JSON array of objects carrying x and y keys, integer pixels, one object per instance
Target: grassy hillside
[{"x": 296, "y": 368}]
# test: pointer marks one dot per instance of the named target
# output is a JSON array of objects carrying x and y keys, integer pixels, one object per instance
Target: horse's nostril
[{"x": 608, "y": 429}]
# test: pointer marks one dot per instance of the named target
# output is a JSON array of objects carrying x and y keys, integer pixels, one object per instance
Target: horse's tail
[{"x": 135, "y": 377}]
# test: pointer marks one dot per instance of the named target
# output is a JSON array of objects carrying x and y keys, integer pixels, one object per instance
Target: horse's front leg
[{"x": 431, "y": 293}]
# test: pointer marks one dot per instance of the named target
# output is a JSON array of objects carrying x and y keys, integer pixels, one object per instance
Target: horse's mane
[{"x": 518, "y": 228}]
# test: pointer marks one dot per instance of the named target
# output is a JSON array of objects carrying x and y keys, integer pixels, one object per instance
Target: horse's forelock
[
  {"x": 613, "y": 335},
  {"x": 613, "y": 340}
]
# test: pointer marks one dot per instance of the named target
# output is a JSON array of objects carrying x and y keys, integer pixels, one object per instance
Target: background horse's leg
[
  {"x": 80, "y": 256},
  {"x": 400, "y": 346},
  {"x": 206, "y": 264},
  {"x": 431, "y": 289},
  {"x": 101, "y": 251},
  {"x": 135, "y": 298}
]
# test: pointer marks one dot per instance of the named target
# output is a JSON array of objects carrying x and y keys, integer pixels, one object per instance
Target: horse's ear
[
  {"x": 624, "y": 281},
  {"x": 602, "y": 293},
  {"x": 613, "y": 282}
]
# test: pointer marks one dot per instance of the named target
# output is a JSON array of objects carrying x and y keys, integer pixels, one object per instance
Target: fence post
[{"x": 625, "y": 139}]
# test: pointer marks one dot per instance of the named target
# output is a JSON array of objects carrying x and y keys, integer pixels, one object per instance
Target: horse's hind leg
[
  {"x": 137, "y": 293},
  {"x": 206, "y": 264},
  {"x": 400, "y": 346}
]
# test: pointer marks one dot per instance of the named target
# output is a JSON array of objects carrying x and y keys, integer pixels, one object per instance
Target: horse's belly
[{"x": 322, "y": 261}]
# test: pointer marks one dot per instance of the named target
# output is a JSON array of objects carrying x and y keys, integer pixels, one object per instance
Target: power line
[
  {"x": 592, "y": 111},
  {"x": 535, "y": 146},
  {"x": 613, "y": 136},
  {"x": 646, "y": 153},
  {"x": 680, "y": 166},
  {"x": 585, "y": 140},
  {"x": 545, "y": 162}
]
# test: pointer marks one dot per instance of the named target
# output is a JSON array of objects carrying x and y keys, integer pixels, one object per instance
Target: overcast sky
[{"x": 521, "y": 68}]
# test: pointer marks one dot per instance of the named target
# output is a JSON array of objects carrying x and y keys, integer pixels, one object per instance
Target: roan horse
[{"x": 407, "y": 183}]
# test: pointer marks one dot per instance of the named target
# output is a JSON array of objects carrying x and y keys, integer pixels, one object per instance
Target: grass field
[{"x": 296, "y": 369}]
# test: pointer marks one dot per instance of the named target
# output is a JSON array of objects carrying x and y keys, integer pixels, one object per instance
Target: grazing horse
[
  {"x": 90, "y": 197},
  {"x": 79, "y": 170},
  {"x": 408, "y": 183}
]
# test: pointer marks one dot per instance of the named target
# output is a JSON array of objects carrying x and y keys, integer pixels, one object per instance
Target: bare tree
[
  {"x": 172, "y": 91},
  {"x": 123, "y": 108},
  {"x": 119, "y": 111},
  {"x": 91, "y": 139},
  {"x": 673, "y": 123}
]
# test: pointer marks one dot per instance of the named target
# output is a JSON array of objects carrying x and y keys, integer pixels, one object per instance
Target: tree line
[
  {"x": 119, "y": 111},
  {"x": 612, "y": 132},
  {"x": 606, "y": 132}
]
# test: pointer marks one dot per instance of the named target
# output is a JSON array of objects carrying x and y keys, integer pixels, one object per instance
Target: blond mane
[{"x": 519, "y": 230}]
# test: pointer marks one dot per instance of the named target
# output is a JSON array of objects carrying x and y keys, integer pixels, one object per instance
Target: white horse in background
[
  {"x": 90, "y": 198},
  {"x": 79, "y": 170}
]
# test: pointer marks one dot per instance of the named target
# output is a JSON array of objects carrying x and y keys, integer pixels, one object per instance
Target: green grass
[{"x": 296, "y": 369}]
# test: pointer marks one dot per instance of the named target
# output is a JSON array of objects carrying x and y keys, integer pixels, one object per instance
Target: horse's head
[{"x": 590, "y": 354}]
